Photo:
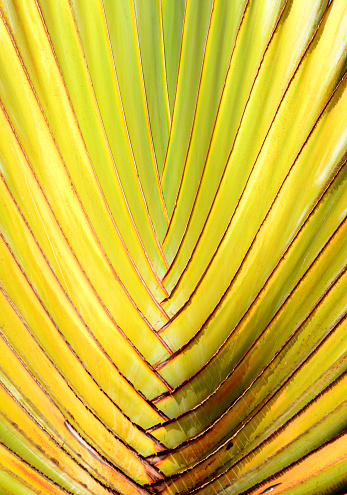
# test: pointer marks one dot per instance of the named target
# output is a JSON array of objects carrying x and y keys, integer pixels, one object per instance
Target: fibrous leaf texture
[{"x": 173, "y": 246}]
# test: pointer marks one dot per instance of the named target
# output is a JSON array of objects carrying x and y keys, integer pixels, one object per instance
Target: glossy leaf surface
[{"x": 173, "y": 246}]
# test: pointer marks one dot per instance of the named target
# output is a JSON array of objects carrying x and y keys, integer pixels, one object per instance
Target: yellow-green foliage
[{"x": 173, "y": 288}]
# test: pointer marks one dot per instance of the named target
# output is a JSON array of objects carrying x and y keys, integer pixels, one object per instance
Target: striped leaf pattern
[{"x": 173, "y": 286}]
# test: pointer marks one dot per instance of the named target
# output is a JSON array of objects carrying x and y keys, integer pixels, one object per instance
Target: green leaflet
[
  {"x": 173, "y": 246},
  {"x": 250, "y": 97}
]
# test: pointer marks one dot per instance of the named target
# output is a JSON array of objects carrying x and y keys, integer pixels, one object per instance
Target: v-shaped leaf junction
[{"x": 173, "y": 198}]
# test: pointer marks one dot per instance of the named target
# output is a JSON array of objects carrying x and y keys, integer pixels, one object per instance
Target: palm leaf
[{"x": 173, "y": 247}]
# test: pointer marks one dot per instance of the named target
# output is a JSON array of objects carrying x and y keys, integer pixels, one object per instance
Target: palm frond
[{"x": 173, "y": 247}]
